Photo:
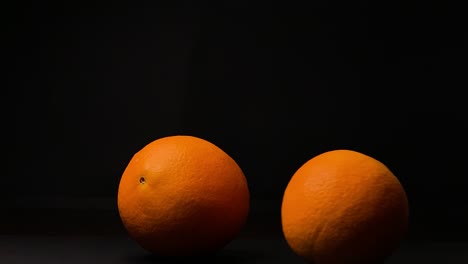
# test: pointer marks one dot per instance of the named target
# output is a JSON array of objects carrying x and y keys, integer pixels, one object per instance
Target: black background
[{"x": 272, "y": 85}]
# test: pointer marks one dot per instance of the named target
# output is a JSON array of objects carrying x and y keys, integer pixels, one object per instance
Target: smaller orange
[
  {"x": 182, "y": 195},
  {"x": 344, "y": 207}
]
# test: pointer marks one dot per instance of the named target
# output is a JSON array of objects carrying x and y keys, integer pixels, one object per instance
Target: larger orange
[
  {"x": 344, "y": 207},
  {"x": 182, "y": 195}
]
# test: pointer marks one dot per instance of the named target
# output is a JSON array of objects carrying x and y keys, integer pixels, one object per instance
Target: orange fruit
[
  {"x": 343, "y": 207},
  {"x": 182, "y": 195}
]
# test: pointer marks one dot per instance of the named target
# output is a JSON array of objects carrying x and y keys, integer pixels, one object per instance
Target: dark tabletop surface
[
  {"x": 120, "y": 249},
  {"x": 97, "y": 236}
]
